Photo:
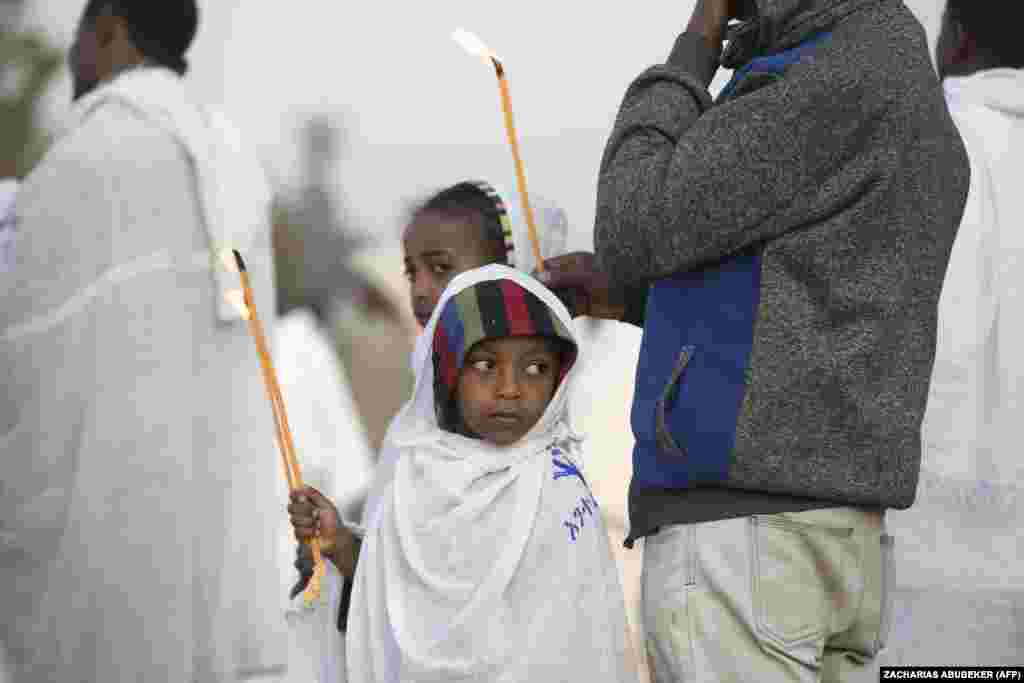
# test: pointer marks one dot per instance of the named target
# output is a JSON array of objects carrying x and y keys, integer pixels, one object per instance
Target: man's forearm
[{"x": 659, "y": 107}]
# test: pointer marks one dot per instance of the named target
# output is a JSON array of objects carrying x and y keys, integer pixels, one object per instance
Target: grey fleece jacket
[{"x": 846, "y": 176}]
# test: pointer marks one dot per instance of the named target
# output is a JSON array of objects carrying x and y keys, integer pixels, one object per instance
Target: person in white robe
[
  {"x": 960, "y": 577},
  {"x": 139, "y": 499}
]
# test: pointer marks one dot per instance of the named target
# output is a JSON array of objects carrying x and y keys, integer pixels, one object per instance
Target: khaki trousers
[{"x": 792, "y": 597}]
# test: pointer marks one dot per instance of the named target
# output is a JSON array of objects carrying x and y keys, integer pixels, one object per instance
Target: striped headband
[{"x": 490, "y": 310}]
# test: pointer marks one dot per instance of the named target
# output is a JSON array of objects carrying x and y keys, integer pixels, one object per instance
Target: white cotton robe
[
  {"x": 484, "y": 563},
  {"x": 138, "y": 470},
  {"x": 977, "y": 389},
  {"x": 959, "y": 579}
]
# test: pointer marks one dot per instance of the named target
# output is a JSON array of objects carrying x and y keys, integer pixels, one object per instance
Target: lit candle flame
[
  {"x": 474, "y": 46},
  {"x": 236, "y": 298}
]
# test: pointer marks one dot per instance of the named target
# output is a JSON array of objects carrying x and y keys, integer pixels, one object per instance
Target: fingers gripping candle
[
  {"x": 244, "y": 301},
  {"x": 474, "y": 46}
]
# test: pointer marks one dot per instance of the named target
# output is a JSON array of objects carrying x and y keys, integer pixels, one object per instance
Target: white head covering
[{"x": 453, "y": 519}]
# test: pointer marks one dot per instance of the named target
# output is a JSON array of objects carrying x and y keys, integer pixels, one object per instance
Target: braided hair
[{"x": 478, "y": 201}]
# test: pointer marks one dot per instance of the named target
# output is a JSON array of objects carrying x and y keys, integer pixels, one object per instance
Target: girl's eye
[
  {"x": 482, "y": 365},
  {"x": 536, "y": 368},
  {"x": 441, "y": 269}
]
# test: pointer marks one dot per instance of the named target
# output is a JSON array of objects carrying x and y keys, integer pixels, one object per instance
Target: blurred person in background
[
  {"x": 139, "y": 478},
  {"x": 324, "y": 265},
  {"x": 323, "y": 298},
  {"x": 967, "y": 608}
]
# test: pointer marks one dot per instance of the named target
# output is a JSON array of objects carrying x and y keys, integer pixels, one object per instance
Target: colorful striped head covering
[{"x": 489, "y": 310}]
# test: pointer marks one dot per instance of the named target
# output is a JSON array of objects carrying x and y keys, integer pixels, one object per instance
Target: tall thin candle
[
  {"x": 247, "y": 307},
  {"x": 474, "y": 46}
]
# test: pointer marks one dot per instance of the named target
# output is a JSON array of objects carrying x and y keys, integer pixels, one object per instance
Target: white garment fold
[
  {"x": 8, "y": 192},
  {"x": 977, "y": 390}
]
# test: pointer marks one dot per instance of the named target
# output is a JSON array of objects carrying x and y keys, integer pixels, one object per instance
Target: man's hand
[
  {"x": 592, "y": 292},
  {"x": 313, "y": 515},
  {"x": 711, "y": 17}
]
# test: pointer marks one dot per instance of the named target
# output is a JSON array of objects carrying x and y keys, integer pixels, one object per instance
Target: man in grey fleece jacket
[{"x": 784, "y": 249}]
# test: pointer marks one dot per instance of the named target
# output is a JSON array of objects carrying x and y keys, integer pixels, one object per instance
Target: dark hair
[
  {"x": 162, "y": 30},
  {"x": 469, "y": 199},
  {"x": 994, "y": 34}
]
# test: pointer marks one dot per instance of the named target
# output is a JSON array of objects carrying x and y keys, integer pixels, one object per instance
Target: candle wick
[
  {"x": 498, "y": 67},
  {"x": 238, "y": 260}
]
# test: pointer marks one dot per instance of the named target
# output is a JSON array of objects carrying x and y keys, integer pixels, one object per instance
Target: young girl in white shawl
[
  {"x": 463, "y": 226},
  {"x": 486, "y": 558}
]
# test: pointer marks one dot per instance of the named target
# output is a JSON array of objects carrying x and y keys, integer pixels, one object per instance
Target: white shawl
[{"x": 485, "y": 563}]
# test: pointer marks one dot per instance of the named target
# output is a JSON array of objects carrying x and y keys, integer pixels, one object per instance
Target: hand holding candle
[
  {"x": 245, "y": 303},
  {"x": 474, "y": 46}
]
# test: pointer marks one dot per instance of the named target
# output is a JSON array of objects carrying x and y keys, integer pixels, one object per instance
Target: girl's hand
[{"x": 314, "y": 516}]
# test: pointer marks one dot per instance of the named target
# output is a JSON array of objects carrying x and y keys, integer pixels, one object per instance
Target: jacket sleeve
[{"x": 683, "y": 183}]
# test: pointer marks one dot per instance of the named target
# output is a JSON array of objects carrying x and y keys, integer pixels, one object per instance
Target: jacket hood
[{"x": 781, "y": 24}]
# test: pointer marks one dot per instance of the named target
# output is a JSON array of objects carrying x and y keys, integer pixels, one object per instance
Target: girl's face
[
  {"x": 438, "y": 246},
  {"x": 505, "y": 386}
]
